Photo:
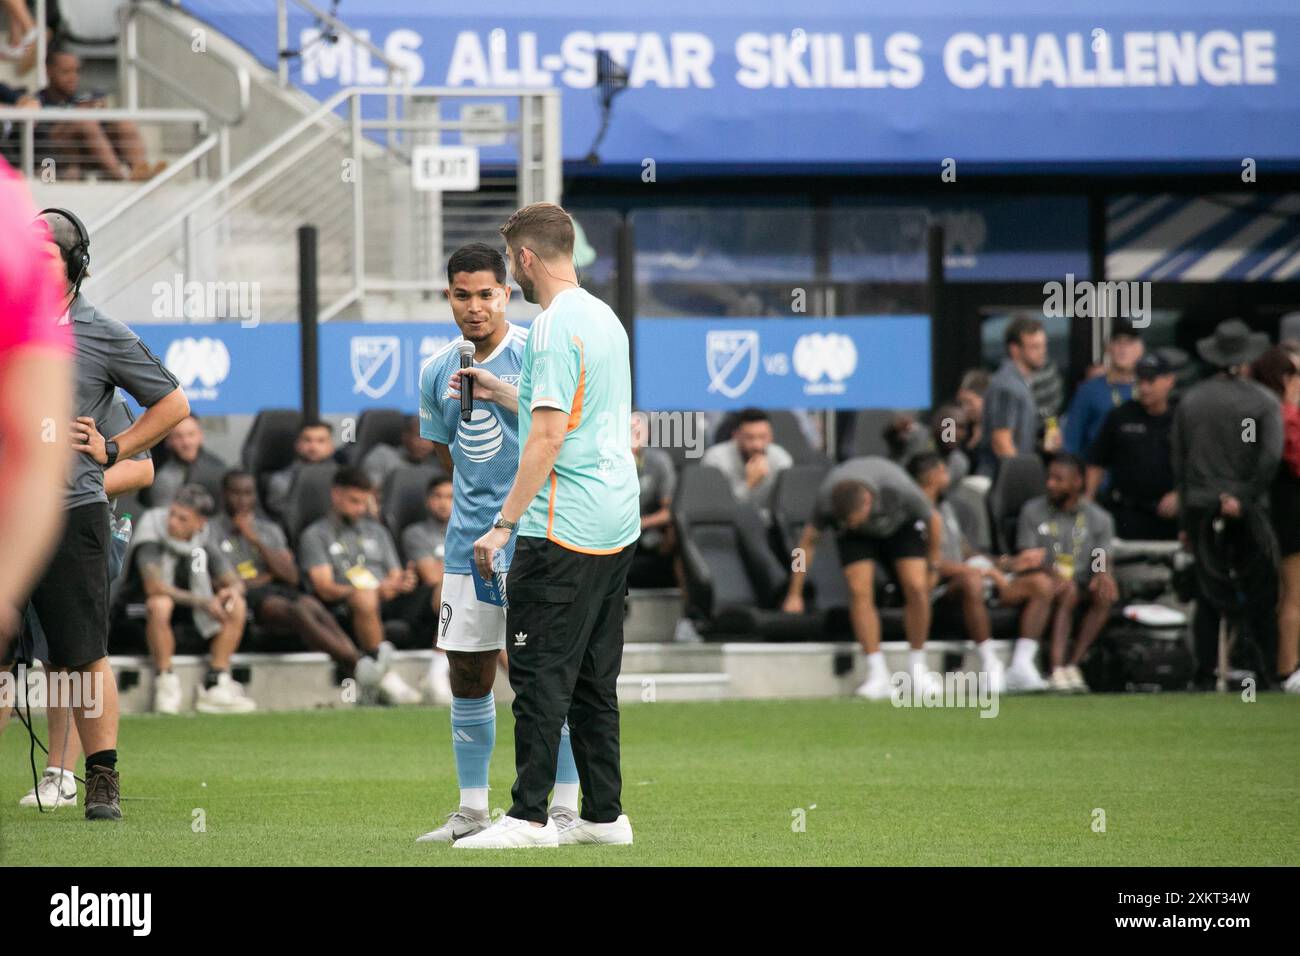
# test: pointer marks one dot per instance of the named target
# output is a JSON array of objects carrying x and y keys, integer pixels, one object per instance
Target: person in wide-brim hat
[{"x": 1232, "y": 344}]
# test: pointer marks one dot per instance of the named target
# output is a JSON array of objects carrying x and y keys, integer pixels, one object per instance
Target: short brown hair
[
  {"x": 1018, "y": 328},
  {"x": 847, "y": 497},
  {"x": 543, "y": 227},
  {"x": 1273, "y": 368}
]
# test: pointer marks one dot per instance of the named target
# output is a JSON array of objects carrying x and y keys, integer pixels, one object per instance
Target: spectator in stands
[
  {"x": 654, "y": 564},
  {"x": 950, "y": 432},
  {"x": 113, "y": 149},
  {"x": 1227, "y": 443},
  {"x": 187, "y": 463},
  {"x": 1068, "y": 538},
  {"x": 970, "y": 396},
  {"x": 1011, "y": 420},
  {"x": 256, "y": 548},
  {"x": 1133, "y": 449},
  {"x": 879, "y": 515},
  {"x": 961, "y": 575},
  {"x": 352, "y": 563},
  {"x": 1278, "y": 370},
  {"x": 315, "y": 443},
  {"x": 194, "y": 602},
  {"x": 10, "y": 140},
  {"x": 1096, "y": 397},
  {"x": 383, "y": 459},
  {"x": 23, "y": 34},
  {"x": 751, "y": 460}
]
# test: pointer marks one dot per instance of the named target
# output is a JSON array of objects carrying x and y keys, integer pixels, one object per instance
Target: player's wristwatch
[
  {"x": 110, "y": 451},
  {"x": 502, "y": 522}
]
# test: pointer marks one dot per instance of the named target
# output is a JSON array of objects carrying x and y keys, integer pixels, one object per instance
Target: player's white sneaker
[
  {"x": 56, "y": 790},
  {"x": 511, "y": 833},
  {"x": 564, "y": 818},
  {"x": 875, "y": 687},
  {"x": 166, "y": 693},
  {"x": 1292, "y": 684},
  {"x": 996, "y": 675},
  {"x": 437, "y": 683},
  {"x": 1025, "y": 679},
  {"x": 1060, "y": 680},
  {"x": 368, "y": 676},
  {"x": 618, "y": 833},
  {"x": 1077, "y": 684},
  {"x": 460, "y": 823},
  {"x": 226, "y": 696},
  {"x": 394, "y": 690}
]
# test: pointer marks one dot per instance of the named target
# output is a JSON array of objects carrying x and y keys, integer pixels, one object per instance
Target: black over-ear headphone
[{"x": 76, "y": 261}]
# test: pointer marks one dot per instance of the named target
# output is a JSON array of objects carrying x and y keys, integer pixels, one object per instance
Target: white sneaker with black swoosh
[
  {"x": 511, "y": 833},
  {"x": 618, "y": 833}
]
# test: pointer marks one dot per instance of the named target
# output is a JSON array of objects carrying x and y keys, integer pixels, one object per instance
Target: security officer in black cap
[{"x": 1130, "y": 467}]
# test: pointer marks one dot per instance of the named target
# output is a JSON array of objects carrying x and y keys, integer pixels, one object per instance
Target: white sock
[
  {"x": 566, "y": 795},
  {"x": 475, "y": 798},
  {"x": 440, "y": 665},
  {"x": 876, "y": 664},
  {"x": 986, "y": 654},
  {"x": 1025, "y": 651},
  {"x": 916, "y": 661}
]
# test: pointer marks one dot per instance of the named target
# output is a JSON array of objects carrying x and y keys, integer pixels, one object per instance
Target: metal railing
[{"x": 378, "y": 233}]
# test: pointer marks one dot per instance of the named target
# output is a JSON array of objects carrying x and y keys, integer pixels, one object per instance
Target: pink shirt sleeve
[{"x": 30, "y": 303}]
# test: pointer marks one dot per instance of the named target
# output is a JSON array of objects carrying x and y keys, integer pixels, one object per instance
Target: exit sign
[{"x": 445, "y": 168}]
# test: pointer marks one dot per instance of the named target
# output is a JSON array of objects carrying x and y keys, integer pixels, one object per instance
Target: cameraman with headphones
[{"x": 71, "y": 598}]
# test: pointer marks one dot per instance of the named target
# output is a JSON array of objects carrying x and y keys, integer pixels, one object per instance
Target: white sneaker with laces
[
  {"x": 56, "y": 789},
  {"x": 368, "y": 677},
  {"x": 875, "y": 687},
  {"x": 564, "y": 818},
  {"x": 1292, "y": 684},
  {"x": 460, "y": 823},
  {"x": 618, "y": 833},
  {"x": 1077, "y": 683},
  {"x": 1025, "y": 679},
  {"x": 1060, "y": 680},
  {"x": 393, "y": 690},
  {"x": 166, "y": 693},
  {"x": 511, "y": 833},
  {"x": 226, "y": 696}
]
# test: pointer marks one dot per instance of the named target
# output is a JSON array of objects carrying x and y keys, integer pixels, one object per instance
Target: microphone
[{"x": 466, "y": 350}]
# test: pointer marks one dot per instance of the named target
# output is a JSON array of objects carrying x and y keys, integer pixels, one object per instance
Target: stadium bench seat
[
  {"x": 269, "y": 444},
  {"x": 866, "y": 435},
  {"x": 309, "y": 497},
  {"x": 733, "y": 581},
  {"x": 403, "y": 497},
  {"x": 376, "y": 426},
  {"x": 1018, "y": 479}
]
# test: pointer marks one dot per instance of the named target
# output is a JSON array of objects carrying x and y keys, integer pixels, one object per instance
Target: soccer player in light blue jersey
[{"x": 481, "y": 455}]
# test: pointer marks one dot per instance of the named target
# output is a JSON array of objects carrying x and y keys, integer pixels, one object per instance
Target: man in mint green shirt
[{"x": 576, "y": 504}]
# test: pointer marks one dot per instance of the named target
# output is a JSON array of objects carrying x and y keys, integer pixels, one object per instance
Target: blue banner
[
  {"x": 879, "y": 361},
  {"x": 935, "y": 86}
]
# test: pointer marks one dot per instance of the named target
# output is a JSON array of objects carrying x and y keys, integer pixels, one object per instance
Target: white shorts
[{"x": 464, "y": 622}]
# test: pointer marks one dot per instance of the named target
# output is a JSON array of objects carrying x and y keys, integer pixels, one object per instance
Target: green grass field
[{"x": 1182, "y": 779}]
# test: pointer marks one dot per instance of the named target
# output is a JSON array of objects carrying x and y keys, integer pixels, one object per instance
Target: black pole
[
  {"x": 308, "y": 309},
  {"x": 625, "y": 289},
  {"x": 940, "y": 372}
]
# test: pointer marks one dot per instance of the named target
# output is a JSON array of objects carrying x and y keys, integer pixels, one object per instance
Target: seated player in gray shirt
[
  {"x": 425, "y": 541},
  {"x": 256, "y": 548},
  {"x": 1068, "y": 539},
  {"x": 750, "y": 459},
  {"x": 879, "y": 514},
  {"x": 351, "y": 563},
  {"x": 654, "y": 565},
  {"x": 961, "y": 577}
]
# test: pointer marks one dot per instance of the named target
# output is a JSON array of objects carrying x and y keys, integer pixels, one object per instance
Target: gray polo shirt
[
  {"x": 897, "y": 499},
  {"x": 658, "y": 477},
  {"x": 243, "y": 557},
  {"x": 364, "y": 543},
  {"x": 109, "y": 356},
  {"x": 425, "y": 539},
  {"x": 1211, "y": 453},
  {"x": 725, "y": 456},
  {"x": 1070, "y": 538},
  {"x": 1008, "y": 403}
]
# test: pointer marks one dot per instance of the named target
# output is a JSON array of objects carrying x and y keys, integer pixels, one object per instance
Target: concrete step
[
  {"x": 652, "y": 614},
  {"x": 658, "y": 658},
  {"x": 654, "y": 688}
]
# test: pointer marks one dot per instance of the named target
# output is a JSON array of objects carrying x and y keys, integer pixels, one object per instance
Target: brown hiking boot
[{"x": 103, "y": 794}]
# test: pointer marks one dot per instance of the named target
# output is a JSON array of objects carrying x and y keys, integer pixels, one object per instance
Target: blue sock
[
  {"x": 566, "y": 773},
  {"x": 473, "y": 735}
]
